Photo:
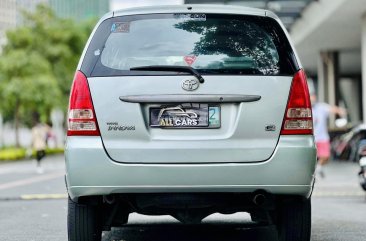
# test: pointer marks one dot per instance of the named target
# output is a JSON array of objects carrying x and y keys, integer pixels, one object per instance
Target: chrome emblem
[
  {"x": 270, "y": 128},
  {"x": 190, "y": 84}
]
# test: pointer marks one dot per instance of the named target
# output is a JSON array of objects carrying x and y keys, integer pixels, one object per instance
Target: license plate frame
[{"x": 185, "y": 116}]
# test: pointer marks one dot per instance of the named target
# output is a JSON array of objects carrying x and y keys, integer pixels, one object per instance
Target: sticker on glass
[
  {"x": 191, "y": 16},
  {"x": 97, "y": 52},
  {"x": 190, "y": 59},
  {"x": 120, "y": 27}
]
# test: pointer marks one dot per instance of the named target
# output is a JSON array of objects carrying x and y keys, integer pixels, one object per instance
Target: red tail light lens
[
  {"x": 298, "y": 115},
  {"x": 81, "y": 118}
]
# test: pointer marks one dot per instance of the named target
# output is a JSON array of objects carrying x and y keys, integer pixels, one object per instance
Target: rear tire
[
  {"x": 82, "y": 222},
  {"x": 294, "y": 220},
  {"x": 362, "y": 178}
]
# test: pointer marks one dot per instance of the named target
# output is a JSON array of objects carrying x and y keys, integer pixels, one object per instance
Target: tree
[
  {"x": 235, "y": 38},
  {"x": 37, "y": 65},
  {"x": 27, "y": 84}
]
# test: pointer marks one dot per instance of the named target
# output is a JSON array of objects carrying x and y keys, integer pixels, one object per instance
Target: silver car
[{"x": 187, "y": 111}]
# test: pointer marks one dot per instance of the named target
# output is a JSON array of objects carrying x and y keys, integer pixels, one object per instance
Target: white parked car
[{"x": 238, "y": 137}]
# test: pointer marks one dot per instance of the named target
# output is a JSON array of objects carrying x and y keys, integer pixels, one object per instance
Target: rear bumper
[{"x": 289, "y": 171}]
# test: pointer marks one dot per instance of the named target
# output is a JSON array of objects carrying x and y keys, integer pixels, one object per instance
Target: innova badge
[{"x": 190, "y": 84}]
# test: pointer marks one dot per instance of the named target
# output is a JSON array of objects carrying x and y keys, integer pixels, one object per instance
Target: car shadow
[{"x": 201, "y": 232}]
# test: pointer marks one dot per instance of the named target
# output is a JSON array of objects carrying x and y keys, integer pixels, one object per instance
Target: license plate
[{"x": 185, "y": 116}]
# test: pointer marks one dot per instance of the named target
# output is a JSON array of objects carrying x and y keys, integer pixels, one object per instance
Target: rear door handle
[{"x": 197, "y": 98}]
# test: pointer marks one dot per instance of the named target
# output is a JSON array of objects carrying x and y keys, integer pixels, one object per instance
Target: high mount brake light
[
  {"x": 81, "y": 117},
  {"x": 298, "y": 116}
]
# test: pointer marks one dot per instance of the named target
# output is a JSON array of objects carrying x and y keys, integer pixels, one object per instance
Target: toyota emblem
[{"x": 190, "y": 84}]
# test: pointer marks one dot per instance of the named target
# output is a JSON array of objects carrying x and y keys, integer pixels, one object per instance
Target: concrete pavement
[
  {"x": 339, "y": 205},
  {"x": 21, "y": 178},
  {"x": 341, "y": 180},
  {"x": 33, "y": 207},
  {"x": 29, "y": 209}
]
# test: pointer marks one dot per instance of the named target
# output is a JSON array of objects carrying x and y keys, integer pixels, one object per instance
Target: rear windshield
[{"x": 210, "y": 43}]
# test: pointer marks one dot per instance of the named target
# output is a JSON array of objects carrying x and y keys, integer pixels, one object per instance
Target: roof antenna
[{"x": 189, "y": 8}]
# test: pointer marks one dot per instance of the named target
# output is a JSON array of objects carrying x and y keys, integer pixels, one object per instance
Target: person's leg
[
  {"x": 40, "y": 155},
  {"x": 320, "y": 166},
  {"x": 43, "y": 154},
  {"x": 323, "y": 160},
  {"x": 323, "y": 153}
]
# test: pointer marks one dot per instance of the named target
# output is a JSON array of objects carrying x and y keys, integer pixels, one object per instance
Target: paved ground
[
  {"x": 21, "y": 178},
  {"x": 339, "y": 210},
  {"x": 339, "y": 205},
  {"x": 32, "y": 220}
]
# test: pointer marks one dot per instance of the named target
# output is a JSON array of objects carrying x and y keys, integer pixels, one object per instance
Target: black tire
[
  {"x": 362, "y": 178},
  {"x": 294, "y": 220},
  {"x": 83, "y": 223}
]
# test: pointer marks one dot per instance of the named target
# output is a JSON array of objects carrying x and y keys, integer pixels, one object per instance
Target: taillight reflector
[
  {"x": 81, "y": 118},
  {"x": 298, "y": 115}
]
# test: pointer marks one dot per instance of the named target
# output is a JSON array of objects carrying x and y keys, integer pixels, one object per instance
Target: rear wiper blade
[{"x": 187, "y": 69}]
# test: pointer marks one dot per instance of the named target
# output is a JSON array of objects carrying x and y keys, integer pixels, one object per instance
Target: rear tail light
[
  {"x": 81, "y": 117},
  {"x": 298, "y": 115}
]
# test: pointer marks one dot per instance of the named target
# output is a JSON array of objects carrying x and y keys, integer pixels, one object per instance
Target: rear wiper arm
[{"x": 187, "y": 69}]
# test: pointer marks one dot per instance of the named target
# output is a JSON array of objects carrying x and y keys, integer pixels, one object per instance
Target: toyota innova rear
[{"x": 187, "y": 111}]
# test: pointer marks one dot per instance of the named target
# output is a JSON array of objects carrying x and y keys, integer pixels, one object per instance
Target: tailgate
[{"x": 247, "y": 131}]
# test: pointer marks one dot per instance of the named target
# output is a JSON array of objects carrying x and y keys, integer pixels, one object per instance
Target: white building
[
  {"x": 7, "y": 17},
  {"x": 331, "y": 40},
  {"x": 10, "y": 14},
  {"x": 330, "y": 37},
  {"x": 11, "y": 11}
]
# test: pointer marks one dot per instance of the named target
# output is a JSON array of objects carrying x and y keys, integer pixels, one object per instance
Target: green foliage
[
  {"x": 38, "y": 63},
  {"x": 13, "y": 153},
  {"x": 60, "y": 41},
  {"x": 235, "y": 38},
  {"x": 28, "y": 80}
]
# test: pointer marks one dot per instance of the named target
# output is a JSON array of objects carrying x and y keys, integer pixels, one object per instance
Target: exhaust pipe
[{"x": 259, "y": 199}]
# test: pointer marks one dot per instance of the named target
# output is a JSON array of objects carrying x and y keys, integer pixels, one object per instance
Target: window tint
[{"x": 212, "y": 44}]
